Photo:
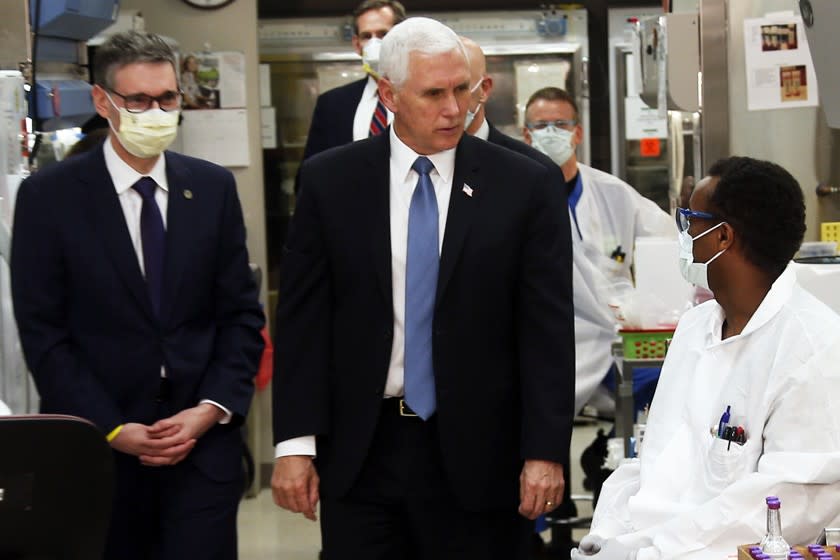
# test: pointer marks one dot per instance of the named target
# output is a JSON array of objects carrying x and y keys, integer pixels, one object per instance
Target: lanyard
[{"x": 574, "y": 198}]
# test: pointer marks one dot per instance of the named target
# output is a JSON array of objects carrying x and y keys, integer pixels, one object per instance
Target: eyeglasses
[
  {"x": 140, "y": 102},
  {"x": 559, "y": 123},
  {"x": 684, "y": 215}
]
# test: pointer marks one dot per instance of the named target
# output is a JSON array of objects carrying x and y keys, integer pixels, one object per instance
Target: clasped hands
[{"x": 169, "y": 440}]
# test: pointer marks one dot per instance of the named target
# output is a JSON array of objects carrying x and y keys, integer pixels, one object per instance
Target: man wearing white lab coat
[
  {"x": 607, "y": 216},
  {"x": 764, "y": 349}
]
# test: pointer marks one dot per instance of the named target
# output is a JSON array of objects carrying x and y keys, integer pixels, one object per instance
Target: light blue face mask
[{"x": 694, "y": 272}]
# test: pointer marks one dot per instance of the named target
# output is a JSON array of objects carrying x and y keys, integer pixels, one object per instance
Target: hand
[
  {"x": 540, "y": 487},
  {"x": 181, "y": 431},
  {"x": 610, "y": 549},
  {"x": 590, "y": 544},
  {"x": 294, "y": 485},
  {"x": 136, "y": 439}
]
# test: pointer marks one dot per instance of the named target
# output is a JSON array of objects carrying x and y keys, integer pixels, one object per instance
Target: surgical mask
[
  {"x": 471, "y": 114},
  {"x": 370, "y": 56},
  {"x": 694, "y": 272},
  {"x": 556, "y": 143},
  {"x": 146, "y": 134}
]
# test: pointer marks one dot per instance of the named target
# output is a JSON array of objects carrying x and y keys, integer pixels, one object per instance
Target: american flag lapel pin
[{"x": 467, "y": 190}]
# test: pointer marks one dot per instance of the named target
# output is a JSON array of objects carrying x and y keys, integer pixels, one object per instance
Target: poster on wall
[
  {"x": 780, "y": 73},
  {"x": 213, "y": 80}
]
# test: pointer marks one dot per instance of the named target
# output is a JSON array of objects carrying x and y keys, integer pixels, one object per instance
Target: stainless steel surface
[
  {"x": 671, "y": 40},
  {"x": 822, "y": 41},
  {"x": 715, "y": 82},
  {"x": 14, "y": 34}
]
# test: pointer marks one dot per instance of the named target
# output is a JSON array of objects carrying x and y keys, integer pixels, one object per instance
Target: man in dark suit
[
  {"x": 137, "y": 310},
  {"x": 477, "y": 125},
  {"x": 427, "y": 330},
  {"x": 346, "y": 113}
]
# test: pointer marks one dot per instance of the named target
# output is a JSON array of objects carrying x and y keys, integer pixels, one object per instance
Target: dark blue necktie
[
  {"x": 153, "y": 237},
  {"x": 421, "y": 275}
]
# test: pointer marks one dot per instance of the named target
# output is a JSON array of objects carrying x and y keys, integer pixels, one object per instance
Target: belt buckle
[{"x": 405, "y": 410}]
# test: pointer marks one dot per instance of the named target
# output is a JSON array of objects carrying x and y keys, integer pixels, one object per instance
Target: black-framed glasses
[
  {"x": 140, "y": 102},
  {"x": 559, "y": 123},
  {"x": 684, "y": 215}
]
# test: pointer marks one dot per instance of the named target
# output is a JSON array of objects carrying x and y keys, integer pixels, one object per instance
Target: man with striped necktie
[{"x": 332, "y": 123}]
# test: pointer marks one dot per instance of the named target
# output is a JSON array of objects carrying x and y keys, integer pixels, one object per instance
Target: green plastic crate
[{"x": 646, "y": 344}]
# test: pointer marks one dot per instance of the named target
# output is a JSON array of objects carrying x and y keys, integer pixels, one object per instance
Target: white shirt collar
[
  {"x": 779, "y": 294},
  {"x": 483, "y": 131},
  {"x": 371, "y": 88},
  {"x": 404, "y": 157},
  {"x": 124, "y": 176}
]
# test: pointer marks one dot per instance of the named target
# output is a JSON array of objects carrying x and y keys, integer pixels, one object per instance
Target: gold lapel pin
[{"x": 188, "y": 194}]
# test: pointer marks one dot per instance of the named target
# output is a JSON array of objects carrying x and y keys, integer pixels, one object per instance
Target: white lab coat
[
  {"x": 4, "y": 410},
  {"x": 690, "y": 496},
  {"x": 610, "y": 214}
]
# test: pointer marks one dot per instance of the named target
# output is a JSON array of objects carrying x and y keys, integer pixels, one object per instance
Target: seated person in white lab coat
[
  {"x": 763, "y": 348},
  {"x": 607, "y": 216}
]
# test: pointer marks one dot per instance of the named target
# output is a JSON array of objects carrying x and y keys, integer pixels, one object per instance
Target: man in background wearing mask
[
  {"x": 476, "y": 124},
  {"x": 137, "y": 310},
  {"x": 607, "y": 216},
  {"x": 353, "y": 111},
  {"x": 763, "y": 349}
]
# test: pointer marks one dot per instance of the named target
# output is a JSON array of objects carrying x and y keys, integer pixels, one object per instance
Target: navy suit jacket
[
  {"x": 503, "y": 330},
  {"x": 332, "y": 120},
  {"x": 89, "y": 335}
]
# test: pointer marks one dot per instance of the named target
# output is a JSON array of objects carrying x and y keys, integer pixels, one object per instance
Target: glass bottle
[{"x": 773, "y": 544}]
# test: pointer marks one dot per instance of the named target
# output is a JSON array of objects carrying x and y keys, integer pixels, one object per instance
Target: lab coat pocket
[{"x": 725, "y": 463}]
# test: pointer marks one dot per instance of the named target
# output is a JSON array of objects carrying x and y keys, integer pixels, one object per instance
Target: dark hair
[
  {"x": 553, "y": 94},
  {"x": 128, "y": 47},
  {"x": 764, "y": 204},
  {"x": 396, "y": 7}
]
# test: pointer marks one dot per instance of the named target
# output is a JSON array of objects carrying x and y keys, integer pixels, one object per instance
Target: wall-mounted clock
[{"x": 208, "y": 4}]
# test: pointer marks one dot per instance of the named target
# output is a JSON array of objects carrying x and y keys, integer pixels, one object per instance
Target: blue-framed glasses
[{"x": 684, "y": 215}]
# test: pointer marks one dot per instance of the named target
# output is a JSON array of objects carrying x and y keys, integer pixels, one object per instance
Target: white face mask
[
  {"x": 471, "y": 114},
  {"x": 146, "y": 134},
  {"x": 370, "y": 56},
  {"x": 556, "y": 143},
  {"x": 694, "y": 272}
]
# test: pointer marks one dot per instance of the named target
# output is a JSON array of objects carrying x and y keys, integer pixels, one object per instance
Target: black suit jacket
[
  {"x": 86, "y": 324},
  {"x": 332, "y": 120},
  {"x": 503, "y": 326}
]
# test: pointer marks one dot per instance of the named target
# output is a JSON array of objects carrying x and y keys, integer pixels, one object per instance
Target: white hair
[{"x": 416, "y": 34}]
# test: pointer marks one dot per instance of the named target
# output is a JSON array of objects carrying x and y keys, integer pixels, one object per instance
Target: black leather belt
[{"x": 401, "y": 407}]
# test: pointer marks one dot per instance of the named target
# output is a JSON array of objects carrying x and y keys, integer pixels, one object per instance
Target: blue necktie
[
  {"x": 421, "y": 275},
  {"x": 153, "y": 237}
]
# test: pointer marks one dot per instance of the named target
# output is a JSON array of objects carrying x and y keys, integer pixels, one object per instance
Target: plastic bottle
[{"x": 773, "y": 544}]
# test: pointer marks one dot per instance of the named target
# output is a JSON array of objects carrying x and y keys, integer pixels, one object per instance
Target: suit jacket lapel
[
  {"x": 109, "y": 221},
  {"x": 462, "y": 208},
  {"x": 376, "y": 181},
  {"x": 182, "y": 220}
]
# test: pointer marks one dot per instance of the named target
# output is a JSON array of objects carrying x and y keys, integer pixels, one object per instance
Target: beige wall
[
  {"x": 233, "y": 28},
  {"x": 787, "y": 137}
]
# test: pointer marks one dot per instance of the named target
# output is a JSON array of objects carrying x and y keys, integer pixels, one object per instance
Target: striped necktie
[{"x": 379, "y": 120}]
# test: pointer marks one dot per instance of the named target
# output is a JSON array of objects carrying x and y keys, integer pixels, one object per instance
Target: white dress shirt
[
  {"x": 123, "y": 176},
  {"x": 403, "y": 181},
  {"x": 365, "y": 109},
  {"x": 483, "y": 131}
]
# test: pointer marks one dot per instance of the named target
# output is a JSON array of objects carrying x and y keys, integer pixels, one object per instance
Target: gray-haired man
[{"x": 426, "y": 323}]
